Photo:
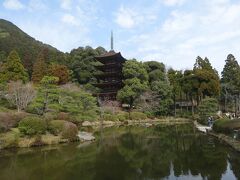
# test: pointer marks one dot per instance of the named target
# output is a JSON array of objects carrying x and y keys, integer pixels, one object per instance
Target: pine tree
[
  {"x": 39, "y": 69},
  {"x": 13, "y": 69}
]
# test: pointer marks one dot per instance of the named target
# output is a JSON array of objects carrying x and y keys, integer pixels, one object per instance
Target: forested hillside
[{"x": 11, "y": 37}]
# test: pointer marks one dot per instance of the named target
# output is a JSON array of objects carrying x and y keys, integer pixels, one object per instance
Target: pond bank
[
  {"x": 147, "y": 122},
  {"x": 227, "y": 140},
  {"x": 13, "y": 138},
  {"x": 235, "y": 144}
]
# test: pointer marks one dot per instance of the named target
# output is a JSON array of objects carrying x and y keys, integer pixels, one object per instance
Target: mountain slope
[{"x": 12, "y": 37}]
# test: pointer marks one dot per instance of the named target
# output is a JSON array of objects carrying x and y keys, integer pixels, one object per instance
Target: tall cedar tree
[
  {"x": 12, "y": 69},
  {"x": 231, "y": 83},
  {"x": 60, "y": 71},
  {"x": 231, "y": 71},
  {"x": 39, "y": 69},
  {"x": 28, "y": 63}
]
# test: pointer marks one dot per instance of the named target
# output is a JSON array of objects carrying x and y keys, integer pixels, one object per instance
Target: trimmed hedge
[
  {"x": 226, "y": 126},
  {"x": 66, "y": 129},
  {"x": 56, "y": 126},
  {"x": 32, "y": 126}
]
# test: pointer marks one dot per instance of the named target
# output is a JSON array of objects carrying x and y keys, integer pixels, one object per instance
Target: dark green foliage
[
  {"x": 32, "y": 126},
  {"x": 163, "y": 92},
  {"x": 226, "y": 126},
  {"x": 207, "y": 108},
  {"x": 12, "y": 69},
  {"x": 82, "y": 63},
  {"x": 230, "y": 83},
  {"x": 77, "y": 102},
  {"x": 47, "y": 98},
  {"x": 135, "y": 69},
  {"x": 154, "y": 65},
  {"x": 11, "y": 37},
  {"x": 135, "y": 82},
  {"x": 131, "y": 91}
]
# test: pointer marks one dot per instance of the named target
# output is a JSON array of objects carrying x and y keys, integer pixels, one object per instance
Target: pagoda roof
[{"x": 110, "y": 55}]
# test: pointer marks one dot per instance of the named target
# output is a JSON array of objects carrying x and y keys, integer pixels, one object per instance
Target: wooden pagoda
[{"x": 110, "y": 79}]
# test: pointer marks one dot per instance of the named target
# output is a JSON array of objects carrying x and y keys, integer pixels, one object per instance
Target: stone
[
  {"x": 86, "y": 123},
  {"x": 85, "y": 136},
  {"x": 148, "y": 124}
]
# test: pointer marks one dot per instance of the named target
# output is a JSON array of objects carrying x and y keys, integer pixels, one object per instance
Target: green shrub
[
  {"x": 109, "y": 117},
  {"x": 70, "y": 131},
  {"x": 10, "y": 139},
  {"x": 122, "y": 117},
  {"x": 138, "y": 116},
  {"x": 66, "y": 129},
  {"x": 32, "y": 126},
  {"x": 226, "y": 126},
  {"x": 208, "y": 107},
  {"x": 56, "y": 126},
  {"x": 50, "y": 116},
  {"x": 35, "y": 108}
]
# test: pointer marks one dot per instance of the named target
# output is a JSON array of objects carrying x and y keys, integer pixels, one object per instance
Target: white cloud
[
  {"x": 69, "y": 19},
  {"x": 13, "y": 4},
  {"x": 212, "y": 30},
  {"x": 131, "y": 17},
  {"x": 173, "y": 2},
  {"x": 66, "y": 4},
  {"x": 36, "y": 5},
  {"x": 125, "y": 18}
]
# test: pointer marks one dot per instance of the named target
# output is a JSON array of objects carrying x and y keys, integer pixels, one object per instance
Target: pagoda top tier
[{"x": 111, "y": 55}]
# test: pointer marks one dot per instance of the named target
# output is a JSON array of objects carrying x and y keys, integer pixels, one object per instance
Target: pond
[{"x": 132, "y": 152}]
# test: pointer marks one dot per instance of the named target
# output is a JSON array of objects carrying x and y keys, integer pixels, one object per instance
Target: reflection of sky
[
  {"x": 229, "y": 173},
  {"x": 182, "y": 177}
]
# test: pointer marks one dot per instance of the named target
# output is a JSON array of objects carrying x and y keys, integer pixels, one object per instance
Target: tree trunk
[
  {"x": 235, "y": 105},
  {"x": 192, "y": 105},
  {"x": 174, "y": 98}
]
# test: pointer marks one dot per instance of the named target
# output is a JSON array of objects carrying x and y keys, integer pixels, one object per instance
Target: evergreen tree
[
  {"x": 12, "y": 69},
  {"x": 208, "y": 80},
  {"x": 230, "y": 82},
  {"x": 39, "y": 69},
  {"x": 231, "y": 71}
]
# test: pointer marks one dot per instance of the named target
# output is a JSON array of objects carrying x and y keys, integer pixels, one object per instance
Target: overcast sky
[{"x": 171, "y": 31}]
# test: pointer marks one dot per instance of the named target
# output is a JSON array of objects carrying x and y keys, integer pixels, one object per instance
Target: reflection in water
[{"x": 160, "y": 152}]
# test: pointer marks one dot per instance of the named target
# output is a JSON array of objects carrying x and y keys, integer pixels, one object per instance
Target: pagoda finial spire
[{"x": 111, "y": 40}]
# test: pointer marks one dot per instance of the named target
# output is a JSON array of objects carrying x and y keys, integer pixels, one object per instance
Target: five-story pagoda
[{"x": 109, "y": 81}]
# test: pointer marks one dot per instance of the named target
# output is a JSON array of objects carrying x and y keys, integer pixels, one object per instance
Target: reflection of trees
[
  {"x": 234, "y": 160},
  {"x": 152, "y": 154},
  {"x": 127, "y": 153}
]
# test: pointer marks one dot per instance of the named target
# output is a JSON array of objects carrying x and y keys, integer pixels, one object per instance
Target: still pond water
[{"x": 160, "y": 152}]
